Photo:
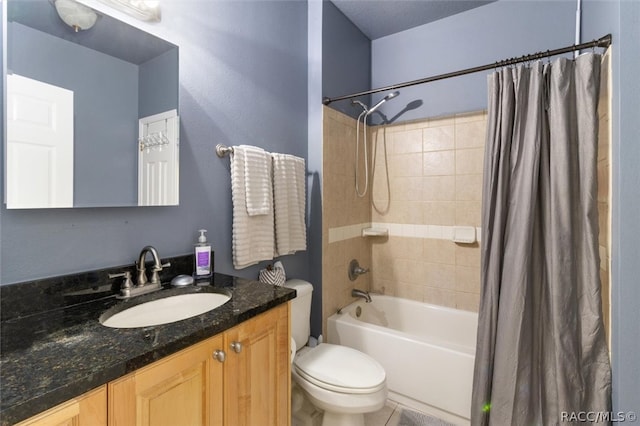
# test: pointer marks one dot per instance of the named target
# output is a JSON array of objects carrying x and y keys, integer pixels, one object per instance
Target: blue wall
[
  {"x": 243, "y": 80},
  {"x": 346, "y": 59},
  {"x": 483, "y": 35},
  {"x": 513, "y": 28},
  {"x": 156, "y": 79}
]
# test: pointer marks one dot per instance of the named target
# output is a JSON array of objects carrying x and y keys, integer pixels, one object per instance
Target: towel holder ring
[{"x": 223, "y": 151}]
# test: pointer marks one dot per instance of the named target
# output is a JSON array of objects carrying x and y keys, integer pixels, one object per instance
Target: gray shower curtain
[{"x": 541, "y": 356}]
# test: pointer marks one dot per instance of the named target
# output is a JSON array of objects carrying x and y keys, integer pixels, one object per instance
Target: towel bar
[{"x": 223, "y": 151}]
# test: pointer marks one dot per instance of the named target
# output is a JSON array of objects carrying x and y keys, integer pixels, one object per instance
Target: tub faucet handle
[
  {"x": 356, "y": 270},
  {"x": 359, "y": 270}
]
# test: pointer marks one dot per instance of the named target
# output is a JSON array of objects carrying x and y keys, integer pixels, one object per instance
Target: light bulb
[{"x": 76, "y": 15}]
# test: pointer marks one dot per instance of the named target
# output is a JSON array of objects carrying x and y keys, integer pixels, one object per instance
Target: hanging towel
[
  {"x": 289, "y": 178},
  {"x": 257, "y": 179},
  {"x": 252, "y": 236}
]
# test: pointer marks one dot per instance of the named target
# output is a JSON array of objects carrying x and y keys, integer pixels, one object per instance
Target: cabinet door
[
  {"x": 258, "y": 371},
  {"x": 89, "y": 409},
  {"x": 183, "y": 389}
]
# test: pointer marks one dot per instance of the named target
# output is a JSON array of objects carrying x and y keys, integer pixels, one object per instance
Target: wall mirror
[{"x": 91, "y": 116}]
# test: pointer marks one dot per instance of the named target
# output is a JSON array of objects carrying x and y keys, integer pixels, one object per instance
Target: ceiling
[{"x": 379, "y": 18}]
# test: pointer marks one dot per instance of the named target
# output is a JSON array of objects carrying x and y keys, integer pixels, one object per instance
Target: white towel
[
  {"x": 257, "y": 179},
  {"x": 252, "y": 236},
  {"x": 289, "y": 178}
]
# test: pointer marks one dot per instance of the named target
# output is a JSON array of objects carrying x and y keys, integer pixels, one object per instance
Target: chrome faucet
[
  {"x": 128, "y": 289},
  {"x": 361, "y": 293}
]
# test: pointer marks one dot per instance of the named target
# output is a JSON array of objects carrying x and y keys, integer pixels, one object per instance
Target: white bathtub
[{"x": 426, "y": 350}]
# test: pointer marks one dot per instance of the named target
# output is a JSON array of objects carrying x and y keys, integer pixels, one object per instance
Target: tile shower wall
[
  {"x": 341, "y": 209},
  {"x": 427, "y": 178},
  {"x": 434, "y": 180}
]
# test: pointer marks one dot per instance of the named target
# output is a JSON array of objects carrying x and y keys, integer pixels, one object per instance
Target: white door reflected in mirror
[
  {"x": 158, "y": 160},
  {"x": 39, "y": 144}
]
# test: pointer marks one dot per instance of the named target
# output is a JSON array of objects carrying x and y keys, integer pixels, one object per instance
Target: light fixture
[
  {"x": 146, "y": 10},
  {"x": 76, "y": 15}
]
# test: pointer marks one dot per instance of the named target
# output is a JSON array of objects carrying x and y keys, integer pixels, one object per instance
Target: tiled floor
[
  {"x": 388, "y": 416},
  {"x": 391, "y": 415}
]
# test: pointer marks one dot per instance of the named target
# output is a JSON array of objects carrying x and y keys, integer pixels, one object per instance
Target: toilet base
[
  {"x": 342, "y": 419},
  {"x": 303, "y": 412}
]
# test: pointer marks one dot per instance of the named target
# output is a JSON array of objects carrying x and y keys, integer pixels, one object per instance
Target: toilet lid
[{"x": 341, "y": 369}]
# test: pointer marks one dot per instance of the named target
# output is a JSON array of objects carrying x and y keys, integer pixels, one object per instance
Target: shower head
[
  {"x": 391, "y": 95},
  {"x": 383, "y": 100}
]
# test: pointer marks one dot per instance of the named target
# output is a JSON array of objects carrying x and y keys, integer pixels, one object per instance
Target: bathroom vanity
[
  {"x": 229, "y": 366},
  {"x": 239, "y": 377}
]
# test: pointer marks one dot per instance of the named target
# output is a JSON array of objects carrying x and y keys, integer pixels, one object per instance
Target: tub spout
[{"x": 361, "y": 293}]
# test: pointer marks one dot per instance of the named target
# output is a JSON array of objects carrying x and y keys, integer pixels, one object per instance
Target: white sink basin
[{"x": 164, "y": 311}]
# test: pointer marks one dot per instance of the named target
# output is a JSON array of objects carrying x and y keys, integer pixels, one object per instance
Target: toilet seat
[{"x": 340, "y": 369}]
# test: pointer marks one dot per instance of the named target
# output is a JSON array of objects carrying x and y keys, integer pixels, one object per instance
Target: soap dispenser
[{"x": 202, "y": 257}]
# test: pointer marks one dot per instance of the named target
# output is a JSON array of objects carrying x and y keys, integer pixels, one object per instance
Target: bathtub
[{"x": 426, "y": 350}]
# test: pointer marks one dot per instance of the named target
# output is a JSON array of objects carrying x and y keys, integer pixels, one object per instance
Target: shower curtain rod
[{"x": 601, "y": 42}]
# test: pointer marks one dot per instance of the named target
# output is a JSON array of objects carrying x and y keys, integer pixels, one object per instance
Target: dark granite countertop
[{"x": 52, "y": 356}]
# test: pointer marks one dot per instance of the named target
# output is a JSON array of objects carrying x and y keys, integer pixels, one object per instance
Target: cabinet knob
[
  {"x": 236, "y": 346},
  {"x": 219, "y": 355}
]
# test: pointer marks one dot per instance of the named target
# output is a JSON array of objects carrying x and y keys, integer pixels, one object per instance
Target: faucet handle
[
  {"x": 155, "y": 278},
  {"x": 158, "y": 268},
  {"x": 356, "y": 270},
  {"x": 127, "y": 283},
  {"x": 127, "y": 277}
]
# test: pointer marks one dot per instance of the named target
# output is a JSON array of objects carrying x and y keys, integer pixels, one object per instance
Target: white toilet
[{"x": 341, "y": 381}]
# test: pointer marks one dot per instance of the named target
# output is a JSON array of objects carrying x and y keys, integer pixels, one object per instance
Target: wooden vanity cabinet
[
  {"x": 87, "y": 409},
  {"x": 181, "y": 389},
  {"x": 257, "y": 371},
  {"x": 240, "y": 377}
]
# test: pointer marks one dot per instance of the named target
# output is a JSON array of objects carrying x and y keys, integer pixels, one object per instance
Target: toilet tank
[{"x": 300, "y": 311}]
